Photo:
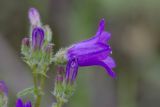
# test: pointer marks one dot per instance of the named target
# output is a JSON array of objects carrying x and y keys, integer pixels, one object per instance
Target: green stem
[
  {"x": 39, "y": 97},
  {"x": 36, "y": 90},
  {"x": 59, "y": 103},
  {"x": 38, "y": 101},
  {"x": 34, "y": 71},
  {"x": 40, "y": 91}
]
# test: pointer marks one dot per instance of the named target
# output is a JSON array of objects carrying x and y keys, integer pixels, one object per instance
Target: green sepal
[{"x": 63, "y": 91}]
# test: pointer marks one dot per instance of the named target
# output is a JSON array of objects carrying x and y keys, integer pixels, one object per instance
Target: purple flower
[
  {"x": 34, "y": 17},
  {"x": 94, "y": 51},
  {"x": 20, "y": 103},
  {"x": 37, "y": 38},
  {"x": 3, "y": 88}
]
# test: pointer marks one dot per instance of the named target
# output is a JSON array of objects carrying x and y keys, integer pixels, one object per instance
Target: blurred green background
[{"x": 135, "y": 27}]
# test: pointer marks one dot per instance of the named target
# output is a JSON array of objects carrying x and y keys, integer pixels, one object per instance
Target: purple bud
[
  {"x": 26, "y": 42},
  {"x": 60, "y": 74},
  {"x": 3, "y": 88},
  {"x": 19, "y": 103},
  {"x": 37, "y": 38},
  {"x": 49, "y": 48},
  {"x": 34, "y": 17},
  {"x": 28, "y": 104}
]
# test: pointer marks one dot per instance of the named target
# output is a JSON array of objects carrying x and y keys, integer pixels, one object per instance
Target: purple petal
[
  {"x": 101, "y": 27},
  {"x": 68, "y": 67},
  {"x": 110, "y": 62},
  {"x": 108, "y": 69},
  {"x": 75, "y": 69},
  {"x": 100, "y": 37},
  {"x": 28, "y": 104},
  {"x": 93, "y": 49},
  {"x": 104, "y": 37},
  {"x": 34, "y": 16},
  {"x": 37, "y": 37},
  {"x": 72, "y": 69},
  {"x": 88, "y": 54},
  {"x": 19, "y": 103}
]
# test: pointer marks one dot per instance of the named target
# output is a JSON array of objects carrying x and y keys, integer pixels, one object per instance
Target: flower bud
[
  {"x": 37, "y": 38},
  {"x": 19, "y": 103},
  {"x": 26, "y": 42},
  {"x": 34, "y": 17},
  {"x": 60, "y": 74},
  {"x": 48, "y": 33},
  {"x": 49, "y": 48}
]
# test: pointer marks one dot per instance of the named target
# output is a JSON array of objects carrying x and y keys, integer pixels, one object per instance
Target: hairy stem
[
  {"x": 59, "y": 103},
  {"x": 39, "y": 97},
  {"x": 40, "y": 90},
  {"x": 36, "y": 90}
]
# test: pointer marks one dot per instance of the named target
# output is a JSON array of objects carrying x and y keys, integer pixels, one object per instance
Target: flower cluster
[
  {"x": 91, "y": 52},
  {"x": 37, "y": 48},
  {"x": 37, "y": 51}
]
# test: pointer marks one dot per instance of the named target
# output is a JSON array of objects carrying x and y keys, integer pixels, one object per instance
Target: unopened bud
[
  {"x": 60, "y": 74},
  {"x": 48, "y": 33},
  {"x": 20, "y": 103},
  {"x": 26, "y": 42},
  {"x": 49, "y": 48},
  {"x": 37, "y": 38},
  {"x": 34, "y": 17}
]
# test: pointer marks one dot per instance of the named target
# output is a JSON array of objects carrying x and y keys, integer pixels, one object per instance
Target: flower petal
[
  {"x": 37, "y": 37},
  {"x": 72, "y": 69},
  {"x": 68, "y": 67},
  {"x": 103, "y": 37},
  {"x": 101, "y": 27},
  {"x": 34, "y": 16},
  {"x": 19, "y": 103},
  {"x": 75, "y": 70},
  {"x": 110, "y": 62},
  {"x": 28, "y": 104},
  {"x": 87, "y": 50},
  {"x": 108, "y": 69}
]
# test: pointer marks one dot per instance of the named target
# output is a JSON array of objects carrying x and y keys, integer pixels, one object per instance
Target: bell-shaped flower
[{"x": 94, "y": 51}]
